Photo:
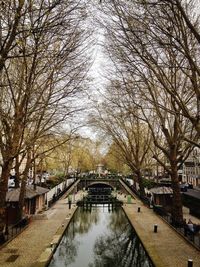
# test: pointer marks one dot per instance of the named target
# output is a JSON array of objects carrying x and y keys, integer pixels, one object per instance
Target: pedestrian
[
  {"x": 69, "y": 200},
  {"x": 190, "y": 225}
]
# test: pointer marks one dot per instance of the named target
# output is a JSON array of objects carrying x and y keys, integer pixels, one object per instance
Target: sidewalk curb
[{"x": 46, "y": 256}]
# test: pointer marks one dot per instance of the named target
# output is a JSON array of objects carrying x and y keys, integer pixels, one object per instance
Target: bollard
[
  {"x": 155, "y": 228},
  {"x": 138, "y": 209},
  {"x": 190, "y": 263}
]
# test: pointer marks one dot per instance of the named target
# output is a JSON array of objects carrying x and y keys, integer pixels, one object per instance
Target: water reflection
[{"x": 100, "y": 238}]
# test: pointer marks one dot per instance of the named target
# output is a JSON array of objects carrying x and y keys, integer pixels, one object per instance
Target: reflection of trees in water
[
  {"x": 83, "y": 220},
  {"x": 80, "y": 224},
  {"x": 117, "y": 219},
  {"x": 67, "y": 251},
  {"x": 121, "y": 248}
]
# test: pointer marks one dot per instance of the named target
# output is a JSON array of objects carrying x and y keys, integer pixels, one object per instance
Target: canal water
[{"x": 100, "y": 238}]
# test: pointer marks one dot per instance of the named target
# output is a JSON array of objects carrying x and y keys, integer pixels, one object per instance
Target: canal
[{"x": 100, "y": 237}]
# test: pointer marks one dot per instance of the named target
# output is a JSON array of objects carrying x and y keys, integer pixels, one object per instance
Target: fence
[
  {"x": 192, "y": 237},
  {"x": 14, "y": 230},
  {"x": 55, "y": 193}
]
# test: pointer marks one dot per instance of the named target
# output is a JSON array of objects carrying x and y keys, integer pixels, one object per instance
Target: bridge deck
[{"x": 99, "y": 203}]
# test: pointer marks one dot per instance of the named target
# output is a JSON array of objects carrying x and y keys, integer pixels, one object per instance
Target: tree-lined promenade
[
  {"x": 148, "y": 114},
  {"x": 42, "y": 70},
  {"x": 33, "y": 247},
  {"x": 151, "y": 107}
]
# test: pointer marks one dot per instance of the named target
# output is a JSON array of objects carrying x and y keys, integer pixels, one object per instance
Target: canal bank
[
  {"x": 35, "y": 244},
  {"x": 47, "y": 253},
  {"x": 165, "y": 247}
]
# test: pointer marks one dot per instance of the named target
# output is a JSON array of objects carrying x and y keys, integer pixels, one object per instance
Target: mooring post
[
  {"x": 190, "y": 263},
  {"x": 155, "y": 228}
]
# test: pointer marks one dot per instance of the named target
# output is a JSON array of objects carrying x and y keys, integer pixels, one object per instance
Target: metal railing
[
  {"x": 192, "y": 237},
  {"x": 60, "y": 194},
  {"x": 15, "y": 229},
  {"x": 144, "y": 199},
  {"x": 99, "y": 198}
]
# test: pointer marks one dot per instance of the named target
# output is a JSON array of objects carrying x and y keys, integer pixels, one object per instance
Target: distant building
[
  {"x": 191, "y": 168},
  {"x": 100, "y": 169}
]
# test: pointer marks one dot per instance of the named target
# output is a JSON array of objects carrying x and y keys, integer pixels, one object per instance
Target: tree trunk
[
  {"x": 3, "y": 190},
  {"x": 23, "y": 186},
  {"x": 17, "y": 173},
  {"x": 140, "y": 182},
  {"x": 177, "y": 212},
  {"x": 22, "y": 197}
]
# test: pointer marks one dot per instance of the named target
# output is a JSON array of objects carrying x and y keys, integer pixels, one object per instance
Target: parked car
[{"x": 183, "y": 187}]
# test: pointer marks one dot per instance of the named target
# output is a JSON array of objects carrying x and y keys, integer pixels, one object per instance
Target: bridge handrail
[{"x": 99, "y": 196}]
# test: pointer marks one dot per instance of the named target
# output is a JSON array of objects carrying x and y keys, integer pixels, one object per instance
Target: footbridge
[
  {"x": 114, "y": 183},
  {"x": 102, "y": 191}
]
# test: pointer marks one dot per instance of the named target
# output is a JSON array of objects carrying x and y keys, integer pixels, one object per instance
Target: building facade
[{"x": 191, "y": 169}]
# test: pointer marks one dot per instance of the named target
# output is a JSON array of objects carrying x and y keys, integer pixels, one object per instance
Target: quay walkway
[
  {"x": 34, "y": 245},
  {"x": 166, "y": 248}
]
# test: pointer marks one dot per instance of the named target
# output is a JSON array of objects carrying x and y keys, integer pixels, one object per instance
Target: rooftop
[
  {"x": 161, "y": 190},
  {"x": 13, "y": 195}
]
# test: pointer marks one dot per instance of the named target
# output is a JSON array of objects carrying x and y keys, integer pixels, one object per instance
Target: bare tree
[
  {"x": 11, "y": 13},
  {"x": 130, "y": 135},
  {"x": 155, "y": 73},
  {"x": 176, "y": 31},
  {"x": 164, "y": 35},
  {"x": 44, "y": 74}
]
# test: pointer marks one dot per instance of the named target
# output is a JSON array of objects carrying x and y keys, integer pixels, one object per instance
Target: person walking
[{"x": 69, "y": 201}]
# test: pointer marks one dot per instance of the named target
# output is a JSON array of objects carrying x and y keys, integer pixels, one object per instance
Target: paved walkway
[
  {"x": 166, "y": 247},
  {"x": 34, "y": 245}
]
